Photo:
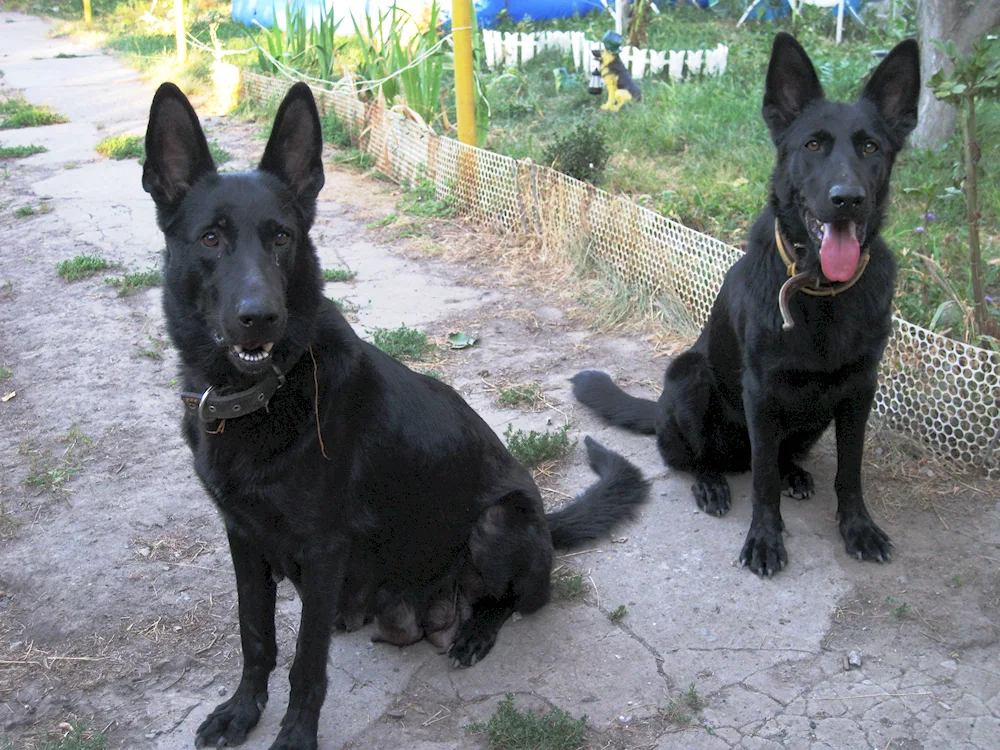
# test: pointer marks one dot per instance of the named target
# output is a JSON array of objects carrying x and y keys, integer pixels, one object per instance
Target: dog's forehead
[
  {"x": 834, "y": 118},
  {"x": 244, "y": 198}
]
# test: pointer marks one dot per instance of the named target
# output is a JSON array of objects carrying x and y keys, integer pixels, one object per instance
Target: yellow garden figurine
[{"x": 617, "y": 80}]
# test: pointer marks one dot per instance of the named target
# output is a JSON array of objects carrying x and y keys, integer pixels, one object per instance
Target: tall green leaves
[
  {"x": 306, "y": 45},
  {"x": 405, "y": 65}
]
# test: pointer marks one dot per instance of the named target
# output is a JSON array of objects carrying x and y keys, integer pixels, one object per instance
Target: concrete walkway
[{"x": 132, "y": 565}]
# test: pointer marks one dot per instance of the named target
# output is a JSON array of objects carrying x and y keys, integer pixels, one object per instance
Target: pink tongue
[{"x": 840, "y": 251}]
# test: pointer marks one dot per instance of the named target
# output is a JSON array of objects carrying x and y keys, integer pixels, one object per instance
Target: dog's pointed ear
[
  {"x": 176, "y": 150},
  {"x": 294, "y": 151},
  {"x": 792, "y": 84},
  {"x": 894, "y": 89}
]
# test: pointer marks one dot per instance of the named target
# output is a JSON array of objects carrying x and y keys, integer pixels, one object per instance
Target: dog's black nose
[
  {"x": 256, "y": 314},
  {"x": 847, "y": 196}
]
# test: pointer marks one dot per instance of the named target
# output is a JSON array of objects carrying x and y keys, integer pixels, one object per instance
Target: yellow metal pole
[
  {"x": 465, "y": 102},
  {"x": 179, "y": 31},
  {"x": 87, "y": 17}
]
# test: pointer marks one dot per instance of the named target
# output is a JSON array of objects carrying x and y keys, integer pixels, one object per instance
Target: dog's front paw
[
  {"x": 231, "y": 721},
  {"x": 711, "y": 491},
  {"x": 764, "y": 550},
  {"x": 864, "y": 539},
  {"x": 799, "y": 483}
]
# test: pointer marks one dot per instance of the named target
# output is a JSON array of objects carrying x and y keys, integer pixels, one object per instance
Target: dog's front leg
[
  {"x": 862, "y": 536},
  {"x": 231, "y": 721},
  {"x": 319, "y": 588},
  {"x": 764, "y": 549}
]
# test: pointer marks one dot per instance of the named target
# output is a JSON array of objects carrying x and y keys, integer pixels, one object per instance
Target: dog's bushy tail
[
  {"x": 596, "y": 390},
  {"x": 611, "y": 499}
]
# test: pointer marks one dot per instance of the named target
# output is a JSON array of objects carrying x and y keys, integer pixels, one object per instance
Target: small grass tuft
[
  {"x": 430, "y": 372},
  {"x": 17, "y": 113},
  {"x": 535, "y": 448},
  {"x": 338, "y": 274},
  {"x": 77, "y": 738},
  {"x": 509, "y": 729},
  {"x": 122, "y": 147},
  {"x": 155, "y": 349},
  {"x": 528, "y": 394},
  {"x": 5, "y": 372},
  {"x": 569, "y": 587},
  {"x": 900, "y": 610},
  {"x": 131, "y": 283},
  {"x": 219, "y": 154},
  {"x": 402, "y": 342},
  {"x": 421, "y": 200},
  {"x": 618, "y": 614},
  {"x": 82, "y": 267},
  {"x": 679, "y": 710},
  {"x": 24, "y": 212},
  {"x": 19, "y": 152},
  {"x": 383, "y": 222}
]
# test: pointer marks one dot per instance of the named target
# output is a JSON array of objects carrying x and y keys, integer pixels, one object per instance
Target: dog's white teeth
[
  {"x": 237, "y": 348},
  {"x": 268, "y": 346}
]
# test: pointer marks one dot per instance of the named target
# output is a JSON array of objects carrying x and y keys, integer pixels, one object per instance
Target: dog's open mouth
[
  {"x": 839, "y": 247},
  {"x": 252, "y": 354}
]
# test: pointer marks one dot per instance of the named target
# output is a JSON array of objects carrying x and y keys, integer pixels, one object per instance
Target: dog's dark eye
[
  {"x": 813, "y": 145},
  {"x": 871, "y": 147},
  {"x": 281, "y": 239},
  {"x": 210, "y": 239}
]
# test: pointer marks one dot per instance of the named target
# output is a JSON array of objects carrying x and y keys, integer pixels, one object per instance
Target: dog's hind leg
[
  {"x": 683, "y": 433},
  {"x": 232, "y": 720},
  {"x": 508, "y": 571},
  {"x": 862, "y": 536}
]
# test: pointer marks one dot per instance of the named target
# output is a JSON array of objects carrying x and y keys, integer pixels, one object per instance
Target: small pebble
[
  {"x": 854, "y": 660},
  {"x": 222, "y": 690},
  {"x": 396, "y": 713}
]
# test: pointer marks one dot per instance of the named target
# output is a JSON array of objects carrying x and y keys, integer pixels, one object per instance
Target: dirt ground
[{"x": 117, "y": 604}]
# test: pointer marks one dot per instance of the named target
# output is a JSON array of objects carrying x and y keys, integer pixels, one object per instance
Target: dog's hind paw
[
  {"x": 864, "y": 540},
  {"x": 764, "y": 551},
  {"x": 711, "y": 491},
  {"x": 799, "y": 483},
  {"x": 230, "y": 722}
]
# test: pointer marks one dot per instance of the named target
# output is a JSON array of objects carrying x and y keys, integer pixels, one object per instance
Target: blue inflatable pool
[{"x": 254, "y": 12}]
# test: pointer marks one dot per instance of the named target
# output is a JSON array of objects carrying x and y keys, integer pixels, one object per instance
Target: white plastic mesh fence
[{"x": 942, "y": 392}]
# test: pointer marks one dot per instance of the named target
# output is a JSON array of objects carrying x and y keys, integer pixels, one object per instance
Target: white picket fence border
[{"x": 512, "y": 49}]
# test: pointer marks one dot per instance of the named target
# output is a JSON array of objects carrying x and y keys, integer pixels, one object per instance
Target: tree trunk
[{"x": 965, "y": 22}]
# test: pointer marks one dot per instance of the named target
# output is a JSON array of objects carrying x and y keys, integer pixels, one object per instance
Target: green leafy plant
[
  {"x": 509, "y": 729},
  {"x": 17, "y": 113},
  {"x": 5, "y": 372},
  {"x": 82, "y": 267},
  {"x": 618, "y": 614},
  {"x": 512, "y": 396},
  {"x": 569, "y": 587},
  {"x": 134, "y": 282},
  {"x": 19, "y": 152},
  {"x": 973, "y": 77},
  {"x": 534, "y": 448},
  {"x": 421, "y": 199},
  {"x": 582, "y": 153},
  {"x": 302, "y": 46},
  {"x": 406, "y": 69},
  {"x": 122, "y": 147},
  {"x": 402, "y": 342},
  {"x": 338, "y": 274}
]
